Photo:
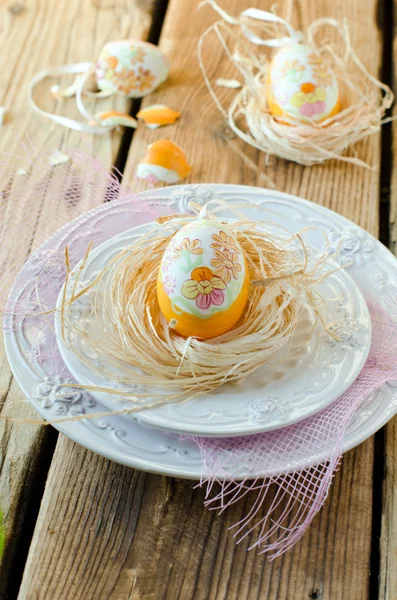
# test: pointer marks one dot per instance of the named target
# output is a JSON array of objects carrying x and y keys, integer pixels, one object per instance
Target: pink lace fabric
[{"x": 294, "y": 494}]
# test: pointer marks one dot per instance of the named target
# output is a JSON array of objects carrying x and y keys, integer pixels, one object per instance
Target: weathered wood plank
[
  {"x": 105, "y": 531},
  {"x": 387, "y": 541},
  {"x": 35, "y": 36},
  {"x": 143, "y": 536}
]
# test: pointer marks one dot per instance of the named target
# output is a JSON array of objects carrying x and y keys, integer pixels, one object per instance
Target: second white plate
[{"x": 301, "y": 382}]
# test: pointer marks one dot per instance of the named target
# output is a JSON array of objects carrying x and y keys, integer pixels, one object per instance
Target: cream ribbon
[
  {"x": 85, "y": 69},
  {"x": 259, "y": 15}
]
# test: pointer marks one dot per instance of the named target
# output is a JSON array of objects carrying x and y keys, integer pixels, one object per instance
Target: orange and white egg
[
  {"x": 164, "y": 161},
  {"x": 131, "y": 68},
  {"x": 301, "y": 85},
  {"x": 203, "y": 280}
]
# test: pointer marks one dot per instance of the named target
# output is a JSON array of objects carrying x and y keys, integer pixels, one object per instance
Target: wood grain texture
[
  {"x": 387, "y": 541},
  {"x": 36, "y": 35},
  {"x": 388, "y": 537},
  {"x": 105, "y": 531}
]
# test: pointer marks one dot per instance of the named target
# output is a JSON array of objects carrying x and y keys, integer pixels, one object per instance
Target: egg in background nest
[
  {"x": 203, "y": 280},
  {"x": 301, "y": 85},
  {"x": 131, "y": 68}
]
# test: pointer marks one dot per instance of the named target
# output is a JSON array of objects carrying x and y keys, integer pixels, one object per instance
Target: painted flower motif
[
  {"x": 292, "y": 69},
  {"x": 310, "y": 100},
  {"x": 194, "y": 247},
  {"x": 283, "y": 97},
  {"x": 137, "y": 55},
  {"x": 109, "y": 74},
  {"x": 314, "y": 59},
  {"x": 169, "y": 284},
  {"x": 106, "y": 64},
  {"x": 226, "y": 265},
  {"x": 112, "y": 62},
  {"x": 129, "y": 55},
  {"x": 127, "y": 80},
  {"x": 322, "y": 75},
  {"x": 145, "y": 79},
  {"x": 222, "y": 241},
  {"x": 204, "y": 287}
]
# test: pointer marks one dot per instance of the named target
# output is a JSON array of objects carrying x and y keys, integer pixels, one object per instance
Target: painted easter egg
[
  {"x": 203, "y": 280},
  {"x": 131, "y": 68},
  {"x": 301, "y": 85},
  {"x": 164, "y": 161}
]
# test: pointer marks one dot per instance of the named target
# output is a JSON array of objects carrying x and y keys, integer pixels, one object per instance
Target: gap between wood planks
[
  {"x": 34, "y": 486},
  {"x": 385, "y": 22},
  {"x": 159, "y": 12}
]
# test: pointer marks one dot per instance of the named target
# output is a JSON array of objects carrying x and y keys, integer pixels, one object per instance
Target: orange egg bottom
[
  {"x": 189, "y": 325},
  {"x": 276, "y": 110}
]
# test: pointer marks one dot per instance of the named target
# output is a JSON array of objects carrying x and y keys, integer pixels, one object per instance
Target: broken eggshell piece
[
  {"x": 157, "y": 115},
  {"x": 165, "y": 162},
  {"x": 112, "y": 118}
]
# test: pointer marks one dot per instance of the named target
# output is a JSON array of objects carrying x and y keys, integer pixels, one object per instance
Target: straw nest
[
  {"x": 250, "y": 44},
  {"x": 143, "y": 359}
]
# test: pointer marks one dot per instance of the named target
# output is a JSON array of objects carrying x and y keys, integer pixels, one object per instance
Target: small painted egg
[
  {"x": 131, "y": 68},
  {"x": 164, "y": 161},
  {"x": 301, "y": 85},
  {"x": 203, "y": 280}
]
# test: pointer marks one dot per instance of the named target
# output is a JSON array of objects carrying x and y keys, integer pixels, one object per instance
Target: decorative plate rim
[
  {"x": 227, "y": 416},
  {"x": 373, "y": 413}
]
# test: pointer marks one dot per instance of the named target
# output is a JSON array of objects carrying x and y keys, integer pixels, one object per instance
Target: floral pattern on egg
[
  {"x": 132, "y": 69},
  {"x": 300, "y": 84}
]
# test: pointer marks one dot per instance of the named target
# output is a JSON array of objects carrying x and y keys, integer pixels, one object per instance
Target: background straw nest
[{"x": 364, "y": 99}]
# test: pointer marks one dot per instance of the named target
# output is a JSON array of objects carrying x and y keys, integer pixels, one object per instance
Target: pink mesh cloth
[
  {"x": 303, "y": 489},
  {"x": 38, "y": 200}
]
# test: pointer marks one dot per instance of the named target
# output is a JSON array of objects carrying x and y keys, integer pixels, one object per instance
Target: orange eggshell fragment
[
  {"x": 113, "y": 118},
  {"x": 158, "y": 114},
  {"x": 164, "y": 161}
]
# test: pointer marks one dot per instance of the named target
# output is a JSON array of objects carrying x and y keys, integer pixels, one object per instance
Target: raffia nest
[
  {"x": 249, "y": 42},
  {"x": 140, "y": 349}
]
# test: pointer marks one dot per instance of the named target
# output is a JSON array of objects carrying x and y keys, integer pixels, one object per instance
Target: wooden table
[{"x": 76, "y": 526}]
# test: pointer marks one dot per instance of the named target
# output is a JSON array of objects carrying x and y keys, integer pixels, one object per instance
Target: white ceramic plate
[
  {"x": 133, "y": 444},
  {"x": 300, "y": 380}
]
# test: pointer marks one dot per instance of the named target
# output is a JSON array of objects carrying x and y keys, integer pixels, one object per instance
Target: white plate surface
[
  {"x": 302, "y": 378},
  {"x": 136, "y": 445}
]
